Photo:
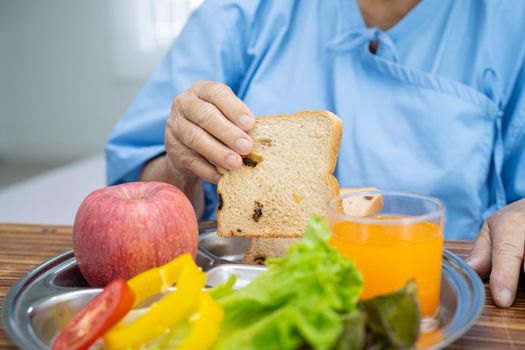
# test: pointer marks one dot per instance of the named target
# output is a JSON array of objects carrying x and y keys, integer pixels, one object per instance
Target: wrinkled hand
[
  {"x": 207, "y": 126},
  {"x": 498, "y": 252}
]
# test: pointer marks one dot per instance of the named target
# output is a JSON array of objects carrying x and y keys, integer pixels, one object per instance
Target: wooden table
[{"x": 23, "y": 246}]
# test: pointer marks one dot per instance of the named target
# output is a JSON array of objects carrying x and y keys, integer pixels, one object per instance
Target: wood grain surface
[{"x": 22, "y": 247}]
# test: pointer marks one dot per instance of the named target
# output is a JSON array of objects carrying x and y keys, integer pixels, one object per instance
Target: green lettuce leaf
[
  {"x": 297, "y": 301},
  {"x": 223, "y": 290}
]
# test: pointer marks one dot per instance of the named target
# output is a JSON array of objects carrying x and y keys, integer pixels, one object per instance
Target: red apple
[{"x": 122, "y": 230}]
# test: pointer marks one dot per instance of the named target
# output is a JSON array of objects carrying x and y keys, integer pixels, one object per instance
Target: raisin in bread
[
  {"x": 287, "y": 177},
  {"x": 261, "y": 249}
]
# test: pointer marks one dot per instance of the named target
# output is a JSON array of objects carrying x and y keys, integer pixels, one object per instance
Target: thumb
[{"x": 480, "y": 258}]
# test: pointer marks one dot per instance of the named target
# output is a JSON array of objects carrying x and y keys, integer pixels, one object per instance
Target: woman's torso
[{"x": 422, "y": 115}]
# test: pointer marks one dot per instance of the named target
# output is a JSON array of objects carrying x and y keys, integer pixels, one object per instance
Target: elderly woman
[{"x": 431, "y": 94}]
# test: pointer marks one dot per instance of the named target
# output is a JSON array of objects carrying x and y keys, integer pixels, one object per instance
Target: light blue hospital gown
[{"x": 439, "y": 109}]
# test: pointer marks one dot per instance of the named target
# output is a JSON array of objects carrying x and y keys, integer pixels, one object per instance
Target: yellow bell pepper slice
[
  {"x": 205, "y": 328},
  {"x": 175, "y": 306},
  {"x": 158, "y": 280}
]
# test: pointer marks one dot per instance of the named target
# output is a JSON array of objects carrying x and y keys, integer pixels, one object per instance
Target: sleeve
[
  {"x": 513, "y": 173},
  {"x": 207, "y": 49}
]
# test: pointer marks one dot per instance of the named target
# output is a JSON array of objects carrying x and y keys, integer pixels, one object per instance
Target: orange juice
[{"x": 390, "y": 254}]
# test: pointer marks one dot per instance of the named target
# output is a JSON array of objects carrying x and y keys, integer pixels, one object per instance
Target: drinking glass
[{"x": 400, "y": 242}]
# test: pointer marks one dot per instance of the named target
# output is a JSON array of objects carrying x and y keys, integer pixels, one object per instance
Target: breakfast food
[
  {"x": 261, "y": 249},
  {"x": 360, "y": 206},
  {"x": 308, "y": 299},
  {"x": 97, "y": 317},
  {"x": 122, "y": 230},
  {"x": 287, "y": 177}
]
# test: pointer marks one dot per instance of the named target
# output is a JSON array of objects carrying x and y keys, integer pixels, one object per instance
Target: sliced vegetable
[
  {"x": 174, "y": 307},
  {"x": 205, "y": 327},
  {"x": 104, "y": 311},
  {"x": 199, "y": 332},
  {"x": 171, "y": 339},
  {"x": 159, "y": 279}
]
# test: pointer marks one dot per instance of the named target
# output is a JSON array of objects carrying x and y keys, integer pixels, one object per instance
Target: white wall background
[
  {"x": 3, "y": 134},
  {"x": 68, "y": 71},
  {"x": 60, "y": 96}
]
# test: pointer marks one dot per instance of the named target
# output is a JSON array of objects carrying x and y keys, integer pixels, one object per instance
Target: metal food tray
[{"x": 45, "y": 299}]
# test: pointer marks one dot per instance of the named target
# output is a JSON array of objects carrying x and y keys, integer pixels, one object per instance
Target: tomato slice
[{"x": 105, "y": 310}]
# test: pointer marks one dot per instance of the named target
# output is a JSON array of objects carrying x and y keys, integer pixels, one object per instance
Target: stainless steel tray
[{"x": 44, "y": 300}]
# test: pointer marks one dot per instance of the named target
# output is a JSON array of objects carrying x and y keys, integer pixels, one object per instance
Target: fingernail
[
  {"x": 243, "y": 146},
  {"x": 217, "y": 177},
  {"x": 232, "y": 160},
  {"x": 504, "y": 296},
  {"x": 246, "y": 122}
]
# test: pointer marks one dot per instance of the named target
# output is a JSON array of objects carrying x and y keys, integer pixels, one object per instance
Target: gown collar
[{"x": 354, "y": 33}]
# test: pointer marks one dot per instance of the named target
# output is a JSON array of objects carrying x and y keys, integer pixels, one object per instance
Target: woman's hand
[
  {"x": 207, "y": 126},
  {"x": 498, "y": 252}
]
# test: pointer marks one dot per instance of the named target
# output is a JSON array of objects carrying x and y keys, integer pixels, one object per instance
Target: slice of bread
[
  {"x": 360, "y": 206},
  {"x": 261, "y": 249},
  {"x": 287, "y": 177}
]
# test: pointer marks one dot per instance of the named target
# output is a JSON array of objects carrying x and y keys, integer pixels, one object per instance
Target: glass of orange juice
[{"x": 401, "y": 240}]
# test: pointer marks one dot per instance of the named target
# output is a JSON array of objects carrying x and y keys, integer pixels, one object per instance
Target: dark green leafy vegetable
[
  {"x": 353, "y": 336},
  {"x": 394, "y": 319},
  {"x": 386, "y": 322}
]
